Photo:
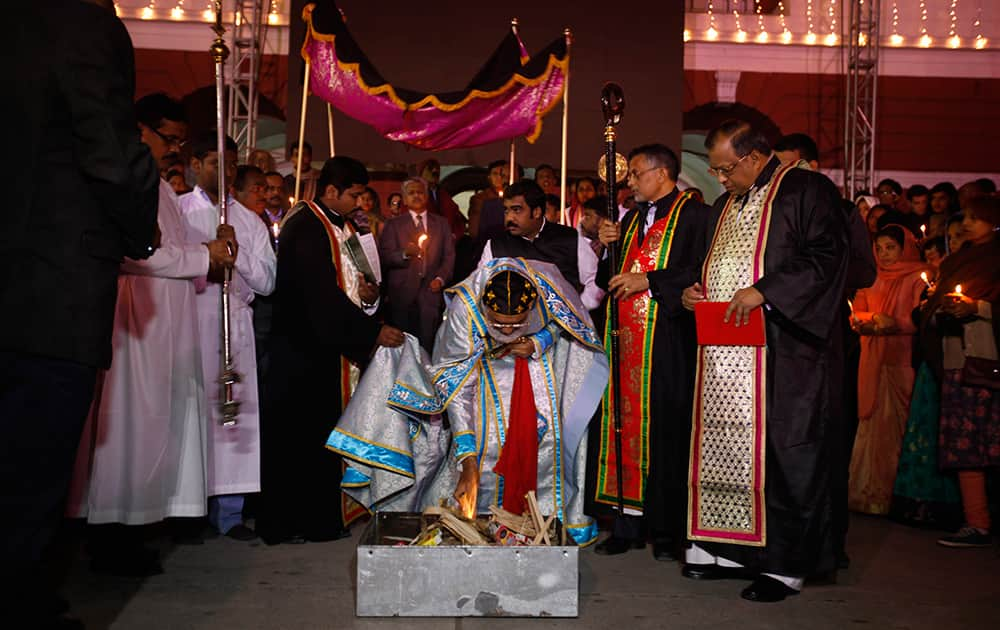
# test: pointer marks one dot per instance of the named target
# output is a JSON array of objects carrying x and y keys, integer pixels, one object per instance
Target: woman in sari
[
  {"x": 960, "y": 337},
  {"x": 883, "y": 316}
]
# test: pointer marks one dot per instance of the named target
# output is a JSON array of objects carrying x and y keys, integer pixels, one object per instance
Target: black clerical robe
[
  {"x": 804, "y": 273},
  {"x": 314, "y": 325},
  {"x": 671, "y": 360}
]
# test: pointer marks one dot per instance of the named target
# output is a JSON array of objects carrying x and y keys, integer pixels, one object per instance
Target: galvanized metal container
[{"x": 462, "y": 581}]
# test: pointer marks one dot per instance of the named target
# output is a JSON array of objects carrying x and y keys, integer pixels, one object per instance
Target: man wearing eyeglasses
[
  {"x": 766, "y": 436},
  {"x": 151, "y": 402},
  {"x": 662, "y": 241}
]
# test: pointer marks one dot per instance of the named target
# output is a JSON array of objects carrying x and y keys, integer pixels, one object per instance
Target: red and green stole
[
  {"x": 637, "y": 326},
  {"x": 726, "y": 501},
  {"x": 351, "y": 510}
]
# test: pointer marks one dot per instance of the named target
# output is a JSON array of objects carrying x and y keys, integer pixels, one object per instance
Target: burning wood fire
[
  {"x": 467, "y": 502},
  {"x": 447, "y": 526}
]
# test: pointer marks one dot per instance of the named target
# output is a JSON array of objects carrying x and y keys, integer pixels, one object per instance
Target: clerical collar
[
  {"x": 335, "y": 217},
  {"x": 667, "y": 200}
]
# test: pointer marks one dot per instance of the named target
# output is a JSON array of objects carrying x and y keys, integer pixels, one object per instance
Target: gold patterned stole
[
  {"x": 726, "y": 501},
  {"x": 637, "y": 326}
]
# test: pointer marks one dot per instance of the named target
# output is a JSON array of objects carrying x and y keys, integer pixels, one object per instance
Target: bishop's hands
[
  {"x": 468, "y": 480},
  {"x": 222, "y": 253}
]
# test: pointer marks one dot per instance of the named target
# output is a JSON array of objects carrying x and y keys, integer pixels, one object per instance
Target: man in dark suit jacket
[
  {"x": 418, "y": 256},
  {"x": 85, "y": 195}
]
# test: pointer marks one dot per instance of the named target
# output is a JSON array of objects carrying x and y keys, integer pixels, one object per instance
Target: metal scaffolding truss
[
  {"x": 249, "y": 34},
  {"x": 862, "y": 48}
]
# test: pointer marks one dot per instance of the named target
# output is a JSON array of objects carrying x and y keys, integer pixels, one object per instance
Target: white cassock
[
  {"x": 142, "y": 457},
  {"x": 234, "y": 451}
]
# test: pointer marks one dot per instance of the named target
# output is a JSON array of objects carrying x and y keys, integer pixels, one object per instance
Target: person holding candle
[
  {"x": 416, "y": 272},
  {"x": 924, "y": 495},
  {"x": 959, "y": 336},
  {"x": 885, "y": 376}
]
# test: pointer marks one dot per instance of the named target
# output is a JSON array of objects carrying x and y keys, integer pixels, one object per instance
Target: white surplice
[
  {"x": 142, "y": 457},
  {"x": 234, "y": 452}
]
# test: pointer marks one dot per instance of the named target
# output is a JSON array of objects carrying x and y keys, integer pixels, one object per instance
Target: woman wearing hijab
[
  {"x": 959, "y": 337},
  {"x": 882, "y": 315}
]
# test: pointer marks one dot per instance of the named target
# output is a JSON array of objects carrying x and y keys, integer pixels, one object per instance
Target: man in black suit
[
  {"x": 85, "y": 196},
  {"x": 418, "y": 254}
]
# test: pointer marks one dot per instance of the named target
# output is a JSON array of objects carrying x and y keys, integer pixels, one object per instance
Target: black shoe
[
  {"x": 767, "y": 589},
  {"x": 665, "y": 550},
  {"x": 714, "y": 572},
  {"x": 241, "y": 532},
  {"x": 134, "y": 563},
  {"x": 613, "y": 545}
]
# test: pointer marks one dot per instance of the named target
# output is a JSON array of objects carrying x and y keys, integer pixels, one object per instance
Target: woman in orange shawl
[{"x": 882, "y": 315}]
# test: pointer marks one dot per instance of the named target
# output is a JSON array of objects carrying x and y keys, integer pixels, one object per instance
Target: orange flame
[
  {"x": 467, "y": 502},
  {"x": 421, "y": 240},
  {"x": 958, "y": 289}
]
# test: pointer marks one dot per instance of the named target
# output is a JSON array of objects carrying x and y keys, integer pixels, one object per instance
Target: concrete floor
[{"x": 900, "y": 579}]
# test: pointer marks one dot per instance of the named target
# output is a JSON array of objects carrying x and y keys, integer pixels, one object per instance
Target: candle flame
[
  {"x": 850, "y": 305},
  {"x": 923, "y": 229},
  {"x": 275, "y": 229},
  {"x": 923, "y": 276},
  {"x": 421, "y": 240},
  {"x": 958, "y": 289},
  {"x": 467, "y": 502}
]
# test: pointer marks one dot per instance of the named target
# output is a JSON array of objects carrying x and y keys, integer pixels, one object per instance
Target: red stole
[
  {"x": 518, "y": 463},
  {"x": 637, "y": 325}
]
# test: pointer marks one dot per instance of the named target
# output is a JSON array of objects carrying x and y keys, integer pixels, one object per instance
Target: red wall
[{"x": 936, "y": 124}]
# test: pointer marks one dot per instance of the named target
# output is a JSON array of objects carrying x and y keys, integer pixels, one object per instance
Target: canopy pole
[
  {"x": 302, "y": 131},
  {"x": 329, "y": 124},
  {"x": 510, "y": 174},
  {"x": 565, "y": 127}
]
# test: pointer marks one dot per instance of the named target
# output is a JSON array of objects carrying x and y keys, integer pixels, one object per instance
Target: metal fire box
[{"x": 462, "y": 581}]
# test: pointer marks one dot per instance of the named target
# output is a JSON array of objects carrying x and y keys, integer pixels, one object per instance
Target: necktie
[{"x": 420, "y": 223}]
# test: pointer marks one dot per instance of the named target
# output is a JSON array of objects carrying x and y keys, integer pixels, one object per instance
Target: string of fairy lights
[
  {"x": 954, "y": 24},
  {"x": 186, "y": 11},
  {"x": 910, "y": 23}
]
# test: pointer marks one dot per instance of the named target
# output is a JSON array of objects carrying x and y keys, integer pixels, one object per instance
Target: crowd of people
[{"x": 869, "y": 384}]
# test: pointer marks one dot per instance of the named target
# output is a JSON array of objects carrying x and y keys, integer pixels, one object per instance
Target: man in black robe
[
  {"x": 784, "y": 230},
  {"x": 315, "y": 325},
  {"x": 528, "y": 234},
  {"x": 675, "y": 226}
]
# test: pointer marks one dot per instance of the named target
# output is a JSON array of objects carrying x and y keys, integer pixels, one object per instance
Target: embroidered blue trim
[
  {"x": 405, "y": 399},
  {"x": 465, "y": 444},
  {"x": 544, "y": 338},
  {"x": 365, "y": 452},
  {"x": 557, "y": 437},
  {"x": 354, "y": 478},
  {"x": 559, "y": 310},
  {"x": 585, "y": 534}
]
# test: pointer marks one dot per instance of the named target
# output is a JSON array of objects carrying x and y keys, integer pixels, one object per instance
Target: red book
[{"x": 712, "y": 331}]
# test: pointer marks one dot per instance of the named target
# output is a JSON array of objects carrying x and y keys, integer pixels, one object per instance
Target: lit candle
[
  {"x": 958, "y": 289},
  {"x": 275, "y": 230},
  {"x": 923, "y": 276},
  {"x": 923, "y": 231},
  {"x": 850, "y": 305},
  {"x": 291, "y": 201}
]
